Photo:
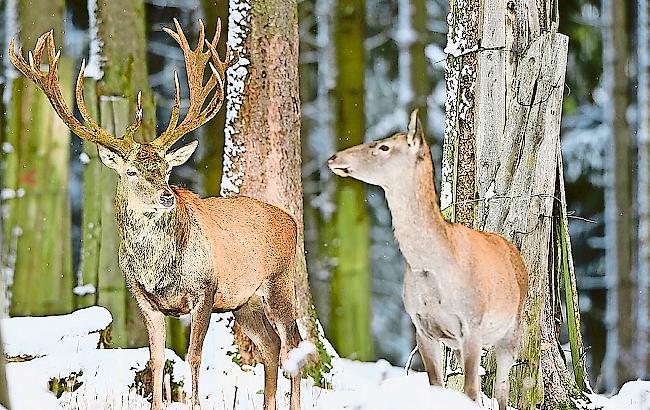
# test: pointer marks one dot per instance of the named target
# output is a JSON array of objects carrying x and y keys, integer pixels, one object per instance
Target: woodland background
[{"x": 56, "y": 216}]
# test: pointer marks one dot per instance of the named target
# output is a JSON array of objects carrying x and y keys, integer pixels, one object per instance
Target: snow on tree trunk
[
  {"x": 35, "y": 155},
  {"x": 501, "y": 161},
  {"x": 262, "y": 152},
  {"x": 118, "y": 56},
  {"x": 621, "y": 361}
]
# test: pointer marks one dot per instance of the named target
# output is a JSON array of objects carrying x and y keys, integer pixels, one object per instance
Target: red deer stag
[
  {"x": 181, "y": 254},
  {"x": 463, "y": 287}
]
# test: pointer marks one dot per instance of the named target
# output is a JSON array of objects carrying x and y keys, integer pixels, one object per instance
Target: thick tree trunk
[
  {"x": 35, "y": 155},
  {"x": 349, "y": 321},
  {"x": 500, "y": 171},
  {"x": 262, "y": 151},
  {"x": 620, "y": 359},
  {"x": 119, "y": 60}
]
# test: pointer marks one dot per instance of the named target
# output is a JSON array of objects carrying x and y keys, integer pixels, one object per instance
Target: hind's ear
[
  {"x": 181, "y": 155},
  {"x": 415, "y": 135}
]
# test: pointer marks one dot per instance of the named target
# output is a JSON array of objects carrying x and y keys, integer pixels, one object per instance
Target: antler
[
  {"x": 49, "y": 83},
  {"x": 195, "y": 62}
]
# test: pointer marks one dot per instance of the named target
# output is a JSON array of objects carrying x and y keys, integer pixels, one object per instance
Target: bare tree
[{"x": 502, "y": 171}]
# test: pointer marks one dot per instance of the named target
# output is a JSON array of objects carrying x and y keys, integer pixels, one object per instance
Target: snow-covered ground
[{"x": 67, "y": 345}]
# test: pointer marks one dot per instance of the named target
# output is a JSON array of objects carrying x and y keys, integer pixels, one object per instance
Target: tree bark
[
  {"x": 502, "y": 169},
  {"x": 120, "y": 29},
  {"x": 35, "y": 156},
  {"x": 262, "y": 150},
  {"x": 620, "y": 359}
]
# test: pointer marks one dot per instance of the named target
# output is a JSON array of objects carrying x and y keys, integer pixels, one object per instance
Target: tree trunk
[
  {"x": 120, "y": 63},
  {"x": 35, "y": 156},
  {"x": 620, "y": 359},
  {"x": 502, "y": 170},
  {"x": 262, "y": 150},
  {"x": 349, "y": 320},
  {"x": 212, "y": 141},
  {"x": 643, "y": 186}
]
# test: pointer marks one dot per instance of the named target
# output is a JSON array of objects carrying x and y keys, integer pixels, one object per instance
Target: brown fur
[
  {"x": 202, "y": 256},
  {"x": 463, "y": 287}
]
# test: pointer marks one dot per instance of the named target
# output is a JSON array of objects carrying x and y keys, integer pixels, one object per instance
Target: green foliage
[
  {"x": 142, "y": 382},
  {"x": 70, "y": 383},
  {"x": 318, "y": 371}
]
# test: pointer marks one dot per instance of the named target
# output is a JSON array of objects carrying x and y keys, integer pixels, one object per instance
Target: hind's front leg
[{"x": 200, "y": 321}]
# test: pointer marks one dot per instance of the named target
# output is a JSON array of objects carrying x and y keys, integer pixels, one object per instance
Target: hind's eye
[
  {"x": 131, "y": 173},
  {"x": 384, "y": 148}
]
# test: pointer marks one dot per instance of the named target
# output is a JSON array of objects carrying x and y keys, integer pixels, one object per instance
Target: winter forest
[{"x": 535, "y": 117}]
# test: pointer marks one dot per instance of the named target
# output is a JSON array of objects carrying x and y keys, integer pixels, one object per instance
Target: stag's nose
[
  {"x": 332, "y": 159},
  {"x": 167, "y": 200}
]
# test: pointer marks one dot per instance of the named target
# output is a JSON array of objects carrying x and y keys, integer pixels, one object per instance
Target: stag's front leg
[
  {"x": 155, "y": 323},
  {"x": 200, "y": 321}
]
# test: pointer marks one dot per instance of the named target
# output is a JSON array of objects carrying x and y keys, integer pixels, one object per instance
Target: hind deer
[
  {"x": 463, "y": 287},
  {"x": 181, "y": 254}
]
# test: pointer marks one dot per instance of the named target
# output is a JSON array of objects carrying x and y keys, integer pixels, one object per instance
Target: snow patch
[
  {"x": 7, "y": 148},
  {"x": 299, "y": 357},
  {"x": 84, "y": 158},
  {"x": 83, "y": 290},
  {"x": 42, "y": 336}
]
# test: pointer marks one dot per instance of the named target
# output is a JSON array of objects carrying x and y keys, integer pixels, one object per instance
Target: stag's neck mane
[
  {"x": 154, "y": 231},
  {"x": 419, "y": 226}
]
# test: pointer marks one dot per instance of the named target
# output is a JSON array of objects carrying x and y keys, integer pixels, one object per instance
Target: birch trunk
[
  {"x": 36, "y": 156},
  {"x": 120, "y": 61},
  {"x": 643, "y": 186},
  {"x": 500, "y": 168},
  {"x": 262, "y": 152},
  {"x": 620, "y": 362}
]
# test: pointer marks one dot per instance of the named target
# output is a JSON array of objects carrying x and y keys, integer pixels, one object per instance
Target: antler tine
[
  {"x": 48, "y": 82},
  {"x": 176, "y": 108},
  {"x": 131, "y": 129},
  {"x": 195, "y": 62}
]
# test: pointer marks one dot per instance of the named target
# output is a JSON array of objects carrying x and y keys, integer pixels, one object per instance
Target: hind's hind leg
[{"x": 254, "y": 323}]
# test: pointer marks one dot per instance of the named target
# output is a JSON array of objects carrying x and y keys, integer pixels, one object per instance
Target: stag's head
[
  {"x": 143, "y": 167},
  {"x": 385, "y": 162}
]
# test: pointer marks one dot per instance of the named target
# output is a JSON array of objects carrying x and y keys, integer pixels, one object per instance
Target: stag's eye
[
  {"x": 384, "y": 148},
  {"x": 131, "y": 172}
]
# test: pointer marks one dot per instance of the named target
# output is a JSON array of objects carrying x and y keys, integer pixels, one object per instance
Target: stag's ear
[
  {"x": 110, "y": 158},
  {"x": 181, "y": 155},
  {"x": 415, "y": 135}
]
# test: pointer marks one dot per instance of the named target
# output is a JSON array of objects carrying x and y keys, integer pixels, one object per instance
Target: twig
[{"x": 410, "y": 359}]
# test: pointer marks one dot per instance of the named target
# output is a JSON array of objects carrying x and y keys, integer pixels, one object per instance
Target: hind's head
[{"x": 385, "y": 162}]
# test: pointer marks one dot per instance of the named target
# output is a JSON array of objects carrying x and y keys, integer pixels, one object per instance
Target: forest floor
[{"x": 60, "y": 353}]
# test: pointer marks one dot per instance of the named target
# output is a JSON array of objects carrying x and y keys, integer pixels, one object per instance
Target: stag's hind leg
[
  {"x": 254, "y": 323},
  {"x": 281, "y": 312}
]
